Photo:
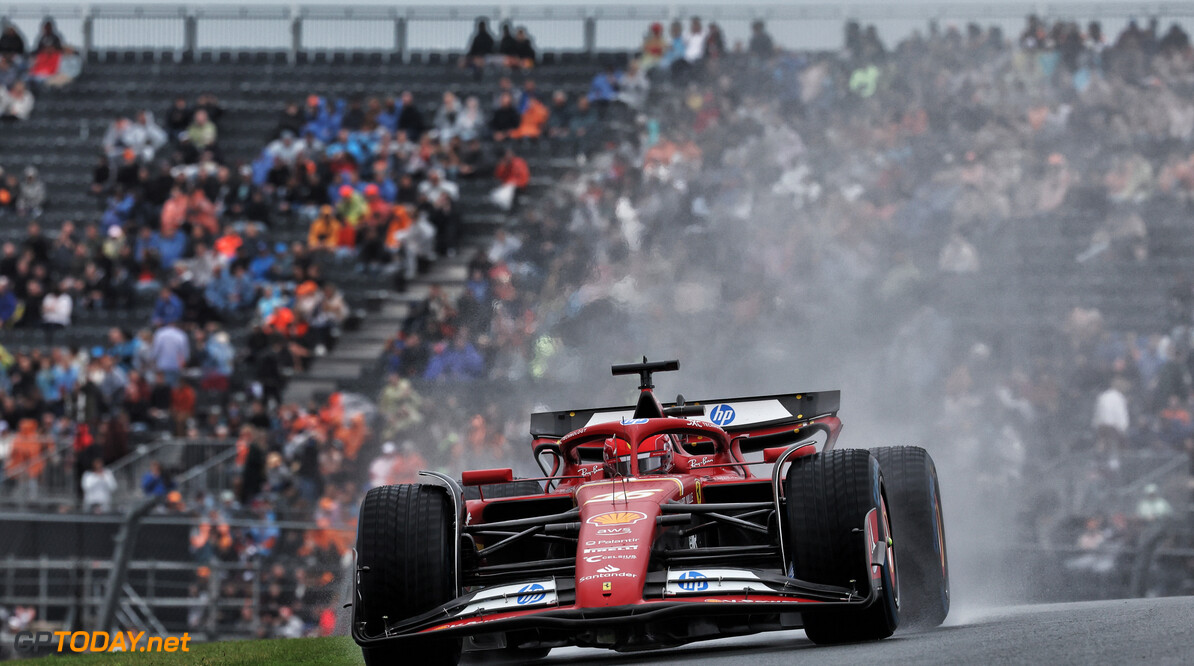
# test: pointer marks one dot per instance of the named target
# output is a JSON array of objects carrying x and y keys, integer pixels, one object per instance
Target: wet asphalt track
[{"x": 1140, "y": 631}]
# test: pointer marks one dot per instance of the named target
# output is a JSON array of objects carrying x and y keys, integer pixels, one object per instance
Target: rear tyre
[
  {"x": 918, "y": 530},
  {"x": 829, "y": 495},
  {"x": 405, "y": 537}
]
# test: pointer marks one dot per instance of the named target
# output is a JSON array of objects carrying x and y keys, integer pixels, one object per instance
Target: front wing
[{"x": 549, "y": 603}]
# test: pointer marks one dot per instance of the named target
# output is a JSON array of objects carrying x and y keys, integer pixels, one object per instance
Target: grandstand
[{"x": 708, "y": 191}]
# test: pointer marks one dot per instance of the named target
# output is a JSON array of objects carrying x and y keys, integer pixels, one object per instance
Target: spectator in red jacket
[{"x": 513, "y": 170}]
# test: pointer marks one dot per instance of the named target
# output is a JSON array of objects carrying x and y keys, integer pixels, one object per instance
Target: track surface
[{"x": 1152, "y": 631}]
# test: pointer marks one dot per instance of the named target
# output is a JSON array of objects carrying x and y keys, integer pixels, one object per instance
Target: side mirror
[
  {"x": 773, "y": 454},
  {"x": 485, "y": 477}
]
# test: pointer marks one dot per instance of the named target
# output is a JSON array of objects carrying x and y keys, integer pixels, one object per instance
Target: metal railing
[
  {"x": 201, "y": 463},
  {"x": 401, "y": 30}
]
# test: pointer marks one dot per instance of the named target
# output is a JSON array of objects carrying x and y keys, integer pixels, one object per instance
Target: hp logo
[
  {"x": 722, "y": 414},
  {"x": 693, "y": 581},
  {"x": 531, "y": 594}
]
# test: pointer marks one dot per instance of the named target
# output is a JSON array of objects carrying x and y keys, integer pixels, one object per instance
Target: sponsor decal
[
  {"x": 531, "y": 594},
  {"x": 620, "y": 574},
  {"x": 594, "y": 559},
  {"x": 714, "y": 581},
  {"x": 617, "y": 518},
  {"x": 613, "y": 531},
  {"x": 693, "y": 581},
  {"x": 754, "y": 601},
  {"x": 608, "y": 542},
  {"x": 624, "y": 495},
  {"x": 607, "y": 586},
  {"x": 607, "y": 549},
  {"x": 511, "y": 597},
  {"x": 722, "y": 415},
  {"x": 609, "y": 568},
  {"x": 697, "y": 462},
  {"x": 634, "y": 421}
]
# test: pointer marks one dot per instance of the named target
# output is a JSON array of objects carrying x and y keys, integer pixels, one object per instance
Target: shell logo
[{"x": 617, "y": 518}]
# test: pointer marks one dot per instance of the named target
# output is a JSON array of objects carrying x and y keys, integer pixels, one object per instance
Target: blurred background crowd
[{"x": 988, "y": 230}]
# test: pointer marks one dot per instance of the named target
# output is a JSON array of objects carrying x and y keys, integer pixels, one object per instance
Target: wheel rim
[
  {"x": 892, "y": 569},
  {"x": 940, "y": 534}
]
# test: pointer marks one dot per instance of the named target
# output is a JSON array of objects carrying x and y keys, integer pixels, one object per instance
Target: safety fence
[
  {"x": 52, "y": 479},
  {"x": 399, "y": 31}
]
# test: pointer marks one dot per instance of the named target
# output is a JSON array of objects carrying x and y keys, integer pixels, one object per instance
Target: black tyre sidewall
[
  {"x": 918, "y": 530},
  {"x": 405, "y": 538},
  {"x": 828, "y": 497}
]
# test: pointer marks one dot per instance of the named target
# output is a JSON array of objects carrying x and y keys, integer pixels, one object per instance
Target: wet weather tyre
[
  {"x": 406, "y": 566},
  {"x": 918, "y": 530},
  {"x": 828, "y": 497}
]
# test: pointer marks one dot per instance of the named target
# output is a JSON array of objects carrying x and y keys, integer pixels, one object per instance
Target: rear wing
[{"x": 732, "y": 414}]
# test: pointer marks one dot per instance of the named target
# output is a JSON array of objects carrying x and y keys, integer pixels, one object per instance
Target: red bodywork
[{"x": 629, "y": 562}]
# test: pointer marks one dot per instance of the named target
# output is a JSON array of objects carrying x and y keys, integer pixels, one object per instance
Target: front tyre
[
  {"x": 406, "y": 561},
  {"x": 829, "y": 496},
  {"x": 919, "y": 533}
]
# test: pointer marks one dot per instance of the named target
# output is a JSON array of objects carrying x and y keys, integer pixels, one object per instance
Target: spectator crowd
[
  {"x": 25, "y": 68},
  {"x": 690, "y": 184}
]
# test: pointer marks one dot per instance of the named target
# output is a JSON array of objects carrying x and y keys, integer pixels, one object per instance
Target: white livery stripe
[{"x": 733, "y": 414}]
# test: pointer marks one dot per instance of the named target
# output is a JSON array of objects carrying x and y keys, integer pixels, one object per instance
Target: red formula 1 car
[{"x": 656, "y": 525}]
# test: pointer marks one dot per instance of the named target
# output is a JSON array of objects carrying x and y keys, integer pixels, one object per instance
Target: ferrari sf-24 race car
[{"x": 655, "y": 525}]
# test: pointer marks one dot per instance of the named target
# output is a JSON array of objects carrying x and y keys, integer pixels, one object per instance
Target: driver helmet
[{"x": 654, "y": 456}]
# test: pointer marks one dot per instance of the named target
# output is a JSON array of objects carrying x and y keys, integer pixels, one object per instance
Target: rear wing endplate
[{"x": 732, "y": 414}]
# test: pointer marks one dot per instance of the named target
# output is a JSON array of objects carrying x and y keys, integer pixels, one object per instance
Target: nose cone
[{"x": 616, "y": 534}]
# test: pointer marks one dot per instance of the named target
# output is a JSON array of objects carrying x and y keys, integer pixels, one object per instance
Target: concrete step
[
  {"x": 391, "y": 311},
  {"x": 377, "y": 321},
  {"x": 301, "y": 389},
  {"x": 358, "y": 352},
  {"x": 328, "y": 369},
  {"x": 439, "y": 274},
  {"x": 373, "y": 336}
]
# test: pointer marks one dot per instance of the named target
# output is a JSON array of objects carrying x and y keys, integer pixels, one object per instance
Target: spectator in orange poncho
[
  {"x": 513, "y": 170},
  {"x": 229, "y": 244},
  {"x": 27, "y": 448},
  {"x": 661, "y": 154},
  {"x": 201, "y": 212},
  {"x": 353, "y": 435},
  {"x": 174, "y": 212},
  {"x": 333, "y": 413},
  {"x": 478, "y": 434},
  {"x": 378, "y": 207},
  {"x": 346, "y": 240},
  {"x": 284, "y": 322},
  {"x": 533, "y": 120},
  {"x": 182, "y": 406},
  {"x": 399, "y": 223},
  {"x": 325, "y": 230},
  {"x": 324, "y": 537}
]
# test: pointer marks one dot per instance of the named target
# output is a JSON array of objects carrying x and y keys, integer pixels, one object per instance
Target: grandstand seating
[{"x": 63, "y": 137}]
